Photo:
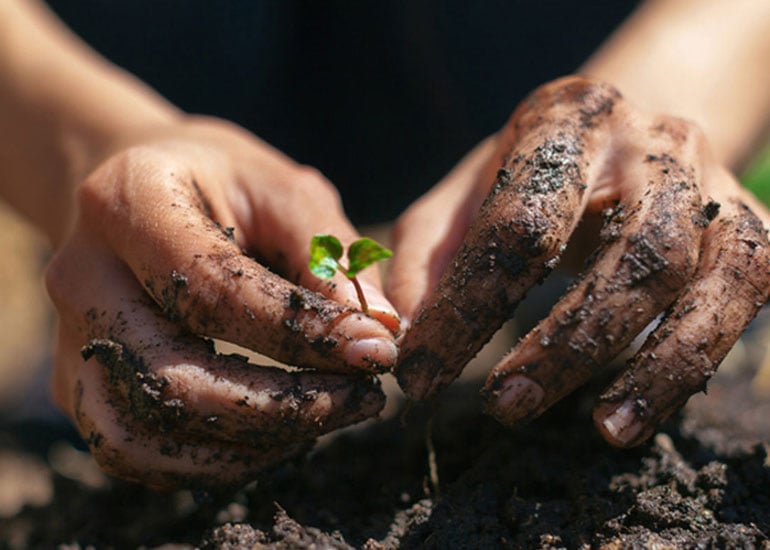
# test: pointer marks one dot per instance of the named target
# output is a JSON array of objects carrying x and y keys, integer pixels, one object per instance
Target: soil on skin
[{"x": 703, "y": 481}]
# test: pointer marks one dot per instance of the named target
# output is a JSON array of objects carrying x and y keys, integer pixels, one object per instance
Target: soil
[{"x": 703, "y": 481}]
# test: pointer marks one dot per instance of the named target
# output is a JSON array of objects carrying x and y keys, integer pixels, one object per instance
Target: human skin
[
  {"x": 680, "y": 236},
  {"x": 137, "y": 199}
]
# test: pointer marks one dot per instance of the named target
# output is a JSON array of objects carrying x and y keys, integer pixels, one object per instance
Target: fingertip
[
  {"x": 620, "y": 424},
  {"x": 345, "y": 401},
  {"x": 367, "y": 343},
  {"x": 367, "y": 400},
  {"x": 418, "y": 374},
  {"x": 377, "y": 355},
  {"x": 513, "y": 398}
]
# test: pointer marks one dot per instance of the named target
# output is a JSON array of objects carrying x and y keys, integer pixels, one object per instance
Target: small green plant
[{"x": 325, "y": 254}]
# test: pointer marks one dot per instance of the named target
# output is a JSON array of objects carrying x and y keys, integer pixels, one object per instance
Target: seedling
[{"x": 326, "y": 251}]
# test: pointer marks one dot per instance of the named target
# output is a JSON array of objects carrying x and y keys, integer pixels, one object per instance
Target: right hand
[
  {"x": 152, "y": 270},
  {"x": 681, "y": 239}
]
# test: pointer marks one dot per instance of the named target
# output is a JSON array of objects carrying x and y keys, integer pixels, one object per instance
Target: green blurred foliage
[{"x": 757, "y": 177}]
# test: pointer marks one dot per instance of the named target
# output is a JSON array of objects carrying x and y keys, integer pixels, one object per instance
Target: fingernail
[
  {"x": 623, "y": 425},
  {"x": 419, "y": 373},
  {"x": 376, "y": 354},
  {"x": 517, "y": 398}
]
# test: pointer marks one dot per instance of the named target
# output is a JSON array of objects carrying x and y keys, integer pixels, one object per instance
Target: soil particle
[
  {"x": 170, "y": 294},
  {"x": 642, "y": 258},
  {"x": 597, "y": 100},
  {"x": 709, "y": 211},
  {"x": 300, "y": 301},
  {"x": 144, "y": 390},
  {"x": 552, "y": 165}
]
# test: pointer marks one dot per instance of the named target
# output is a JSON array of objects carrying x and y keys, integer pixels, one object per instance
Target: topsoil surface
[{"x": 445, "y": 476}]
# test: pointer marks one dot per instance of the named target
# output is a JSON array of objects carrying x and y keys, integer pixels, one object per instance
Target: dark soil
[{"x": 703, "y": 481}]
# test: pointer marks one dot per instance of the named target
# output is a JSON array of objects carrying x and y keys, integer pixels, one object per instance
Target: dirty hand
[
  {"x": 680, "y": 238},
  {"x": 162, "y": 258}
]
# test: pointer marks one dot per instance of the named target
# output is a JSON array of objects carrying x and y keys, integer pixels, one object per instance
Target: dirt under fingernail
[
  {"x": 514, "y": 399},
  {"x": 621, "y": 426},
  {"x": 375, "y": 354}
]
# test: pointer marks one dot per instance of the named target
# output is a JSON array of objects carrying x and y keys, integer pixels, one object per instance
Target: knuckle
[
  {"x": 202, "y": 299},
  {"x": 529, "y": 242},
  {"x": 654, "y": 257},
  {"x": 132, "y": 172},
  {"x": 590, "y": 98},
  {"x": 92, "y": 194},
  {"x": 680, "y": 133},
  {"x": 577, "y": 89},
  {"x": 750, "y": 259},
  {"x": 539, "y": 236},
  {"x": 312, "y": 185}
]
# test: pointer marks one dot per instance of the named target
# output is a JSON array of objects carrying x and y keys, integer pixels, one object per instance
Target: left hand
[
  {"x": 680, "y": 238},
  {"x": 150, "y": 273}
]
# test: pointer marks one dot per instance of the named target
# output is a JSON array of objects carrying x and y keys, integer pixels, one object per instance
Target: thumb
[{"x": 427, "y": 235}]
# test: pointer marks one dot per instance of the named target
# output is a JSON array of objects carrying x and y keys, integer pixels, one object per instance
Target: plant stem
[
  {"x": 360, "y": 292},
  {"x": 432, "y": 463}
]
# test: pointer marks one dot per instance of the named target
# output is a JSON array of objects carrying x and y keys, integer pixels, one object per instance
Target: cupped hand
[
  {"x": 202, "y": 231},
  {"x": 680, "y": 238}
]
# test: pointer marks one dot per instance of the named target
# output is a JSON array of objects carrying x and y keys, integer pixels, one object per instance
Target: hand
[
  {"x": 156, "y": 265},
  {"x": 680, "y": 238}
]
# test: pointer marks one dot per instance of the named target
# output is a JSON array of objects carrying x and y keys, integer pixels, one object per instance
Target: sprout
[{"x": 326, "y": 251}]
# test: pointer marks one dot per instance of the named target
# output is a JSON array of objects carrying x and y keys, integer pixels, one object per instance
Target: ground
[{"x": 440, "y": 475}]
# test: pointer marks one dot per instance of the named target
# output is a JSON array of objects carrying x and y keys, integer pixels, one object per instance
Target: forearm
[
  {"x": 705, "y": 60},
  {"x": 62, "y": 110}
]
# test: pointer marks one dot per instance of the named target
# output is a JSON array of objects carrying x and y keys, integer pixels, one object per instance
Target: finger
[
  {"x": 650, "y": 251},
  {"x": 133, "y": 451},
  {"x": 518, "y": 236},
  {"x": 427, "y": 235},
  {"x": 684, "y": 351},
  {"x": 166, "y": 425},
  {"x": 155, "y": 362},
  {"x": 136, "y": 452},
  {"x": 185, "y": 389},
  {"x": 199, "y": 276}
]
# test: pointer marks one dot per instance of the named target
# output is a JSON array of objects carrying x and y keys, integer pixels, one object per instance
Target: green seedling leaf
[
  {"x": 325, "y": 251},
  {"x": 363, "y": 253}
]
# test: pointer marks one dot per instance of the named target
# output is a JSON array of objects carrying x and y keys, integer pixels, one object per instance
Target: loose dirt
[{"x": 702, "y": 481}]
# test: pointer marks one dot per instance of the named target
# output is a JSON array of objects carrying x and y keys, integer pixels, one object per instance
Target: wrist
[
  {"x": 700, "y": 60},
  {"x": 63, "y": 110},
  {"x": 113, "y": 115}
]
